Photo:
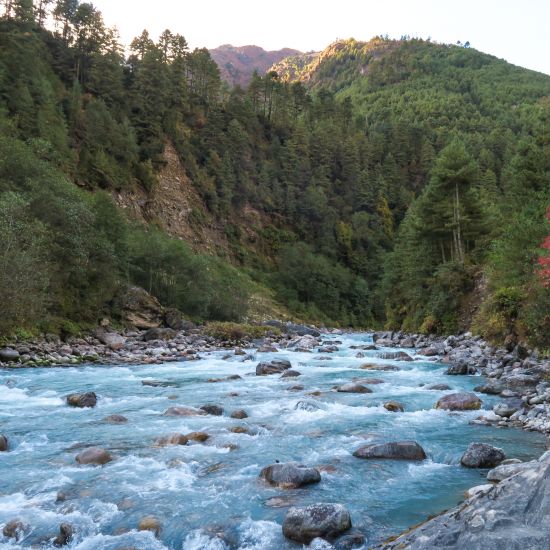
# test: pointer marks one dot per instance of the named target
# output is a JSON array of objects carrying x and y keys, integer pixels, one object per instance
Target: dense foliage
[{"x": 407, "y": 185}]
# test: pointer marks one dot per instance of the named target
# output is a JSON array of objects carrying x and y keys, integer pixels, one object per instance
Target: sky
[{"x": 516, "y": 30}]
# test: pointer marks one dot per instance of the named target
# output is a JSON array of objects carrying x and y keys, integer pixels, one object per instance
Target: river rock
[
  {"x": 353, "y": 387},
  {"x": 461, "y": 368},
  {"x": 267, "y": 348},
  {"x": 199, "y": 437},
  {"x": 173, "y": 318},
  {"x": 4, "y": 444},
  {"x": 482, "y": 455},
  {"x": 438, "y": 387},
  {"x": 350, "y": 541},
  {"x": 239, "y": 414},
  {"x": 183, "y": 411},
  {"x": 172, "y": 439},
  {"x": 140, "y": 309},
  {"x": 374, "y": 366},
  {"x": 515, "y": 515},
  {"x": 112, "y": 340},
  {"x": 507, "y": 408},
  {"x": 461, "y": 401},
  {"x": 504, "y": 471},
  {"x": 82, "y": 400},
  {"x": 159, "y": 334},
  {"x": 9, "y": 355},
  {"x": 309, "y": 406},
  {"x": 273, "y": 367},
  {"x": 403, "y": 450},
  {"x": 490, "y": 388},
  {"x": 396, "y": 356},
  {"x": 290, "y": 475},
  {"x": 66, "y": 532},
  {"x": 115, "y": 419},
  {"x": 14, "y": 529},
  {"x": 214, "y": 410},
  {"x": 291, "y": 373},
  {"x": 317, "y": 520},
  {"x": 150, "y": 523},
  {"x": 94, "y": 455},
  {"x": 394, "y": 406}
]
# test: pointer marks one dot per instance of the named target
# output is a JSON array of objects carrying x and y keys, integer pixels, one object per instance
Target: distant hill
[{"x": 237, "y": 64}]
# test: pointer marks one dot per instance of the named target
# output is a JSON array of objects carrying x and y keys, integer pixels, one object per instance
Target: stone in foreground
[
  {"x": 400, "y": 450},
  {"x": 94, "y": 455},
  {"x": 482, "y": 455},
  {"x": 290, "y": 475},
  {"x": 317, "y": 520},
  {"x": 515, "y": 515},
  {"x": 461, "y": 401}
]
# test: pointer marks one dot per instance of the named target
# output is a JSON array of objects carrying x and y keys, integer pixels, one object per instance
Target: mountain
[
  {"x": 397, "y": 183},
  {"x": 238, "y": 64}
]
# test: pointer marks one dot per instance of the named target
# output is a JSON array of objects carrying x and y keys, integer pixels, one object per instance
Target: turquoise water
[{"x": 208, "y": 496}]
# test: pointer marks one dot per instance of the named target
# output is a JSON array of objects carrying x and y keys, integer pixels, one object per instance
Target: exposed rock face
[
  {"x": 183, "y": 411},
  {"x": 402, "y": 450},
  {"x": 353, "y": 387},
  {"x": 82, "y": 400},
  {"x": 461, "y": 401},
  {"x": 94, "y": 455},
  {"x": 507, "y": 470},
  {"x": 159, "y": 334},
  {"x": 140, "y": 309},
  {"x": 317, "y": 520},
  {"x": 173, "y": 318},
  {"x": 273, "y": 367},
  {"x": 514, "y": 515},
  {"x": 290, "y": 475},
  {"x": 482, "y": 455}
]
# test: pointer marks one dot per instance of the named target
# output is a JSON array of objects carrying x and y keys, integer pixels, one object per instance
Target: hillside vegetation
[{"x": 397, "y": 182}]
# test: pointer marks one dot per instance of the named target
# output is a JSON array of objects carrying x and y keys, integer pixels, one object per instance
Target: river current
[{"x": 208, "y": 495}]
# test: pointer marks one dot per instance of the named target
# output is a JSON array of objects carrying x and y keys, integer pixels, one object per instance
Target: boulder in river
[
  {"x": 94, "y": 455},
  {"x": 82, "y": 400},
  {"x": 504, "y": 471},
  {"x": 461, "y": 401},
  {"x": 438, "y": 387},
  {"x": 353, "y": 387},
  {"x": 482, "y": 455},
  {"x": 150, "y": 523},
  {"x": 402, "y": 450},
  {"x": 239, "y": 414},
  {"x": 290, "y": 475},
  {"x": 461, "y": 368},
  {"x": 394, "y": 406},
  {"x": 115, "y": 419},
  {"x": 199, "y": 437},
  {"x": 376, "y": 366},
  {"x": 291, "y": 373},
  {"x": 396, "y": 356},
  {"x": 183, "y": 411},
  {"x": 273, "y": 367},
  {"x": 172, "y": 439},
  {"x": 303, "y": 524},
  {"x": 4, "y": 443},
  {"x": 66, "y": 532},
  {"x": 309, "y": 406},
  {"x": 214, "y": 410},
  {"x": 267, "y": 348},
  {"x": 14, "y": 529}
]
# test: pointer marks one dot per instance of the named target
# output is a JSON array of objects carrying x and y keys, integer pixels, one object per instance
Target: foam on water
[{"x": 208, "y": 496}]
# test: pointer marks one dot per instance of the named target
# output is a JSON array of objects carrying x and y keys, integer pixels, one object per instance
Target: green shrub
[{"x": 237, "y": 332}]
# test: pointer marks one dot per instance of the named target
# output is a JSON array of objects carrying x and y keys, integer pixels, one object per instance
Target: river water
[{"x": 208, "y": 495}]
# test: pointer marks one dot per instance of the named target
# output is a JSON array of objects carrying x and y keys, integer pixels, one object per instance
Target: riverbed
[{"x": 208, "y": 495}]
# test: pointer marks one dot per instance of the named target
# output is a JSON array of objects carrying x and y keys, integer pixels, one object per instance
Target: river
[{"x": 208, "y": 495}]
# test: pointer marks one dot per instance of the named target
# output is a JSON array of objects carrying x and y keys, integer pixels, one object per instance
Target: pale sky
[{"x": 516, "y": 30}]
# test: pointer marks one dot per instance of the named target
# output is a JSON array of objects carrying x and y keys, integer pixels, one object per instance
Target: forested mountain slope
[{"x": 400, "y": 183}]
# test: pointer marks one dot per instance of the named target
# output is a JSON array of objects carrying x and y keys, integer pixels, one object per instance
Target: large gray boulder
[
  {"x": 290, "y": 475},
  {"x": 353, "y": 387},
  {"x": 183, "y": 411},
  {"x": 461, "y": 401},
  {"x": 140, "y": 309},
  {"x": 514, "y": 515},
  {"x": 317, "y": 520},
  {"x": 507, "y": 470},
  {"x": 482, "y": 455},
  {"x": 461, "y": 368},
  {"x": 402, "y": 450},
  {"x": 9, "y": 355}
]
